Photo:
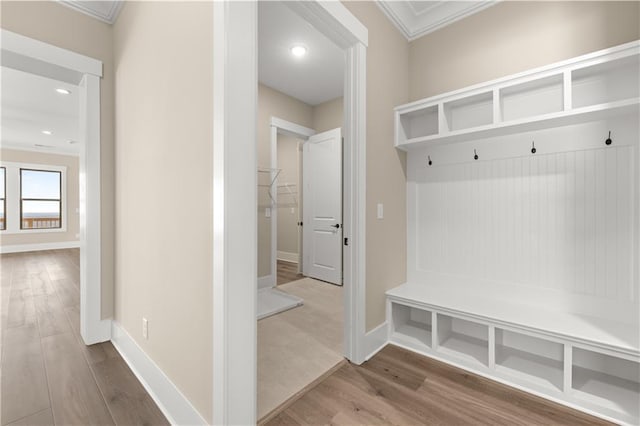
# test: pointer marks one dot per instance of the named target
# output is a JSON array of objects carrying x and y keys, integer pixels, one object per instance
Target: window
[
  {"x": 40, "y": 199},
  {"x": 3, "y": 198}
]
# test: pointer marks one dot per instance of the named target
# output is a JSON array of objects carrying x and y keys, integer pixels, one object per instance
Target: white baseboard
[
  {"x": 287, "y": 257},
  {"x": 173, "y": 404},
  {"x": 20, "y": 248},
  {"x": 267, "y": 281},
  {"x": 375, "y": 340}
]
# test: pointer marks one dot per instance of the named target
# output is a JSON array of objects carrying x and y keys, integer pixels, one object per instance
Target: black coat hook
[
  {"x": 533, "y": 147},
  {"x": 430, "y": 162},
  {"x": 475, "y": 155},
  {"x": 608, "y": 141}
]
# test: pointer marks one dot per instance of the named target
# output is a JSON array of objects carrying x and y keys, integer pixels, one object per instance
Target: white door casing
[{"x": 322, "y": 210}]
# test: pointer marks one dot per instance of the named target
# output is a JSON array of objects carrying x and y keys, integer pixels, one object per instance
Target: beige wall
[
  {"x": 515, "y": 36},
  {"x": 387, "y": 74},
  {"x": 288, "y": 205},
  {"x": 272, "y": 103},
  {"x": 164, "y": 128},
  {"x": 69, "y": 208},
  {"x": 55, "y": 24},
  {"x": 328, "y": 115}
]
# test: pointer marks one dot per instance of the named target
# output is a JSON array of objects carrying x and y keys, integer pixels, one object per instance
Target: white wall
[{"x": 556, "y": 230}]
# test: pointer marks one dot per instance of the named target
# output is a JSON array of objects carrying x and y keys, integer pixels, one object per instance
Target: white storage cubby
[
  {"x": 608, "y": 384},
  {"x": 468, "y": 112},
  {"x": 533, "y": 98},
  {"x": 579, "y": 90},
  {"x": 531, "y": 360},
  {"x": 522, "y": 262},
  {"x": 606, "y": 82},
  {"x": 419, "y": 123},
  {"x": 411, "y": 326},
  {"x": 463, "y": 339}
]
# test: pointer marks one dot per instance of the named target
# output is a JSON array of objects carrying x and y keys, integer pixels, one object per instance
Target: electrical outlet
[
  {"x": 145, "y": 328},
  {"x": 380, "y": 211},
  {"x": 267, "y": 212}
]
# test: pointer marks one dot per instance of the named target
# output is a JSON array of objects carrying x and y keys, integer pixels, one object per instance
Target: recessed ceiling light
[
  {"x": 47, "y": 132},
  {"x": 63, "y": 91},
  {"x": 72, "y": 142},
  {"x": 298, "y": 50}
]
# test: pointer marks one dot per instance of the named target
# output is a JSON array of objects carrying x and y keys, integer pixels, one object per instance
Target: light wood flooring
[
  {"x": 298, "y": 346},
  {"x": 287, "y": 272},
  {"x": 398, "y": 387},
  {"x": 48, "y": 375}
]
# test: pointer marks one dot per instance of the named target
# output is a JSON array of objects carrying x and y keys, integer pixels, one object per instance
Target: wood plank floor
[
  {"x": 398, "y": 387},
  {"x": 287, "y": 272},
  {"x": 48, "y": 375}
]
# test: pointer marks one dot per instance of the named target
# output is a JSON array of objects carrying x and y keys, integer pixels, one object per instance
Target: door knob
[{"x": 337, "y": 226}]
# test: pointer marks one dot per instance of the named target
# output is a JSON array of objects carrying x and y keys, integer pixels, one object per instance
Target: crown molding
[
  {"x": 91, "y": 8},
  {"x": 415, "y": 24}
]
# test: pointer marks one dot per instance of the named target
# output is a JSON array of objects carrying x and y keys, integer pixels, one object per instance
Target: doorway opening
[
  {"x": 82, "y": 74},
  {"x": 235, "y": 197},
  {"x": 300, "y": 196}
]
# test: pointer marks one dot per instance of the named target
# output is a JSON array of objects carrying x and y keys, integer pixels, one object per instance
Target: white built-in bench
[
  {"x": 523, "y": 231},
  {"x": 586, "y": 362}
]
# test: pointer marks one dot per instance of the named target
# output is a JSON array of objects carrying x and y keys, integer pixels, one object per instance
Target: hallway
[{"x": 48, "y": 375}]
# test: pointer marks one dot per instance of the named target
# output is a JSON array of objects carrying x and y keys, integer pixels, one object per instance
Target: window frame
[
  {"x": 13, "y": 197},
  {"x": 21, "y": 200},
  {"x": 4, "y": 199}
]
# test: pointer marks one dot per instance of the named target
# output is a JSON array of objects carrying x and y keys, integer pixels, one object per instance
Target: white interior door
[{"x": 322, "y": 206}]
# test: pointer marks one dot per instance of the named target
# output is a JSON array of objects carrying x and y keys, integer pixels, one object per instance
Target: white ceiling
[
  {"x": 417, "y": 18},
  {"x": 315, "y": 78},
  {"x": 30, "y": 104},
  {"x": 106, "y": 11}
]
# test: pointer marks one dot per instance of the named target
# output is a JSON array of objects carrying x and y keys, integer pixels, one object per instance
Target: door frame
[
  {"x": 235, "y": 194},
  {"x": 280, "y": 126},
  {"x": 36, "y": 57}
]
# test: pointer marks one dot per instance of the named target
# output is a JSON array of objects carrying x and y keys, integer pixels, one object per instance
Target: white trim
[
  {"x": 13, "y": 192},
  {"x": 376, "y": 340},
  {"x": 414, "y": 25},
  {"x": 33, "y": 49},
  {"x": 334, "y": 20},
  {"x": 289, "y": 128},
  {"x": 40, "y": 58},
  {"x": 280, "y": 126},
  {"x": 354, "y": 203},
  {"x": 235, "y": 185},
  {"x": 235, "y": 94},
  {"x": 52, "y": 151},
  {"x": 267, "y": 281},
  {"x": 83, "y": 7},
  {"x": 287, "y": 257},
  {"x": 173, "y": 404},
  {"x": 21, "y": 248}
]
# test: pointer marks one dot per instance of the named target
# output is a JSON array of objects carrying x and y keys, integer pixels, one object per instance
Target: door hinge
[{"x": 346, "y": 241}]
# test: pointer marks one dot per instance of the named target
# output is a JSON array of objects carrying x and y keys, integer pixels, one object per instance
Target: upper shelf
[{"x": 586, "y": 88}]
